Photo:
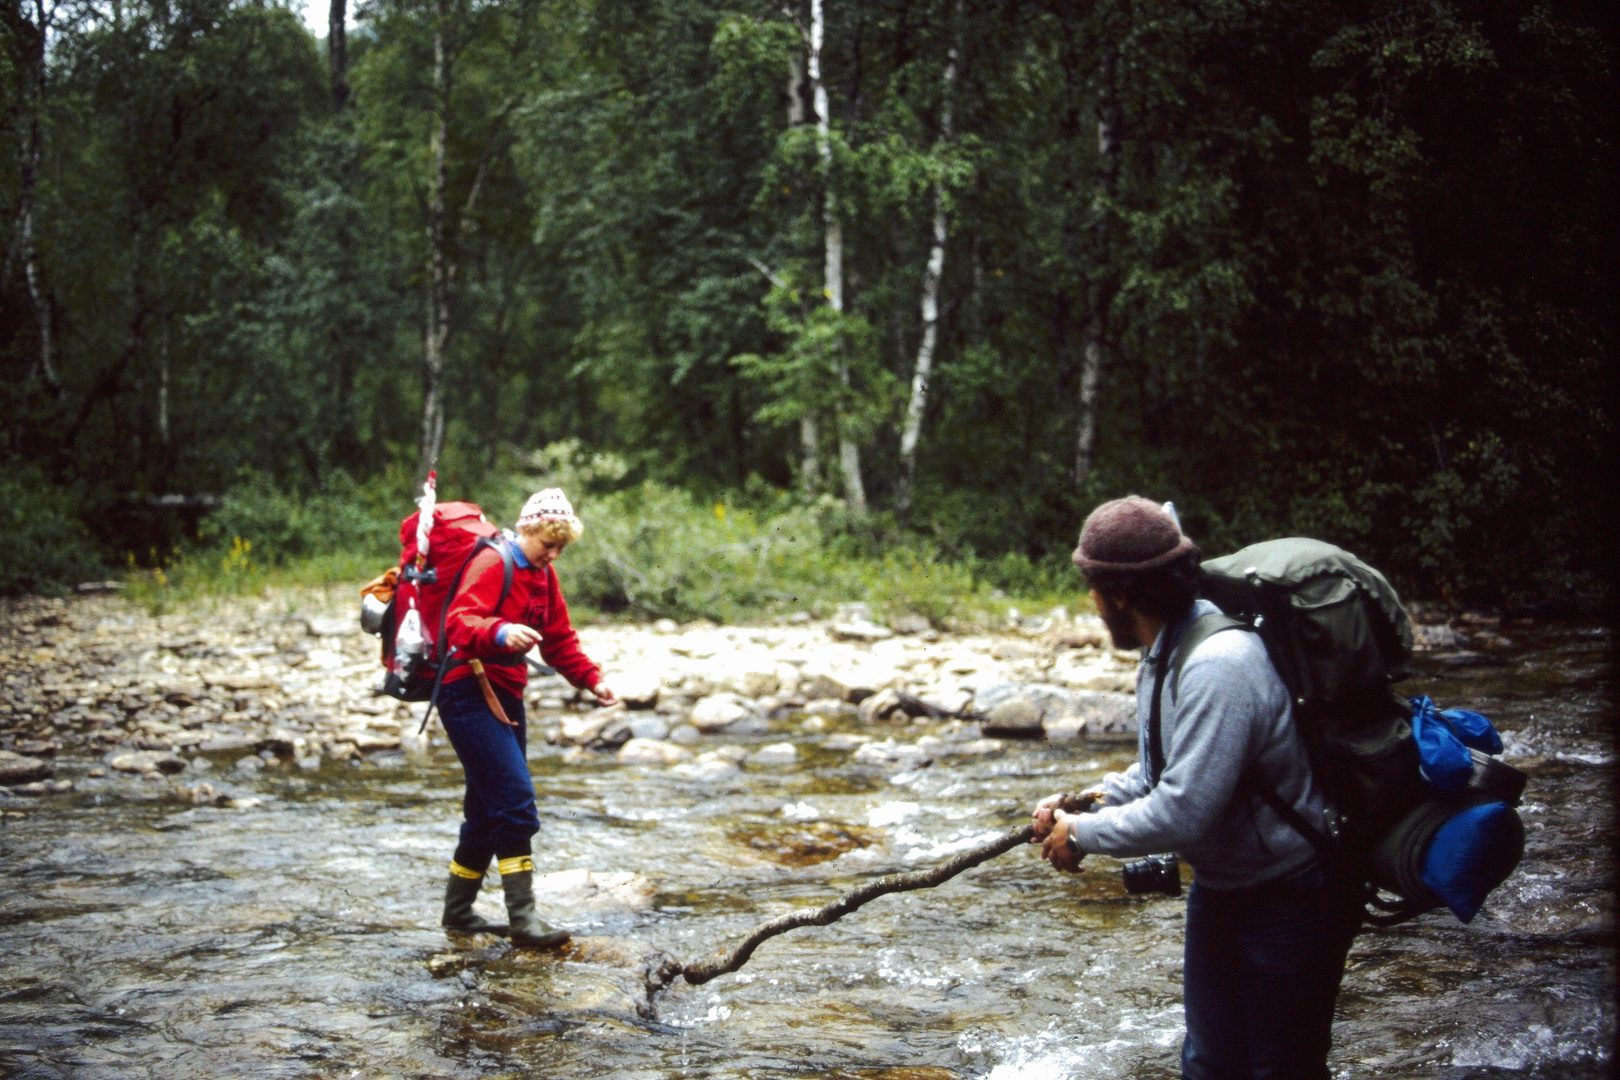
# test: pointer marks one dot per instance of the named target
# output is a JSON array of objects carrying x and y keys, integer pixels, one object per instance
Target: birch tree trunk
[
  {"x": 849, "y": 451},
  {"x": 337, "y": 51},
  {"x": 22, "y": 245},
  {"x": 1104, "y": 286},
  {"x": 809, "y": 431},
  {"x": 935, "y": 269},
  {"x": 437, "y": 331}
]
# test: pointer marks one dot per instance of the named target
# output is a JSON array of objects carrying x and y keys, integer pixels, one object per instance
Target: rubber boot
[
  {"x": 459, "y": 895},
  {"x": 527, "y": 927}
]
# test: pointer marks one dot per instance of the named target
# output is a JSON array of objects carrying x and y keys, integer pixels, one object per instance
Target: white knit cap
[{"x": 548, "y": 505}]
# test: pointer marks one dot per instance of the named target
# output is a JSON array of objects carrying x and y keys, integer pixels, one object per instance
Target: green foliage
[
  {"x": 1348, "y": 268},
  {"x": 282, "y": 526},
  {"x": 47, "y": 546}
]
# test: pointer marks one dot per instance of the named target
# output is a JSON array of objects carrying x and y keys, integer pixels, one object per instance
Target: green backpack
[{"x": 1339, "y": 638}]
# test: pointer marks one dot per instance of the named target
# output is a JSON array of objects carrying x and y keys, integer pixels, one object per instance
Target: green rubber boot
[
  {"x": 459, "y": 895},
  {"x": 527, "y": 927}
]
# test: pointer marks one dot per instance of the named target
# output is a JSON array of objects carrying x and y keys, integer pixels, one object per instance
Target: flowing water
[{"x": 141, "y": 936}]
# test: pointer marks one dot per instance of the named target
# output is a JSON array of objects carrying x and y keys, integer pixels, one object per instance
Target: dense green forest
[{"x": 955, "y": 269}]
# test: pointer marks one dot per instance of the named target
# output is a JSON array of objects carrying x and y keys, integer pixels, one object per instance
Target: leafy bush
[
  {"x": 282, "y": 526},
  {"x": 47, "y": 547}
]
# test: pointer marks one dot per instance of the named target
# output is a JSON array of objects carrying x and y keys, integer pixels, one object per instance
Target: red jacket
[{"x": 536, "y": 600}]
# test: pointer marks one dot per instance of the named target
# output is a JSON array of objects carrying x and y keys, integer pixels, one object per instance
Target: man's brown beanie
[{"x": 1128, "y": 535}]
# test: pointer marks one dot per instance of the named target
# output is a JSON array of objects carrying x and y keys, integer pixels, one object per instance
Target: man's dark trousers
[
  {"x": 1262, "y": 971},
  {"x": 500, "y": 818}
]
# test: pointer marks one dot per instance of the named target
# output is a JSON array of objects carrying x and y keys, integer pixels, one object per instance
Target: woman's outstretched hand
[
  {"x": 520, "y": 638},
  {"x": 604, "y": 694}
]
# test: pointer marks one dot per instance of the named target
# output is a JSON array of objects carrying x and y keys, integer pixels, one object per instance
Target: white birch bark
[
  {"x": 849, "y": 451},
  {"x": 437, "y": 331},
  {"x": 23, "y": 242},
  {"x": 923, "y": 370},
  {"x": 809, "y": 431},
  {"x": 1095, "y": 344}
]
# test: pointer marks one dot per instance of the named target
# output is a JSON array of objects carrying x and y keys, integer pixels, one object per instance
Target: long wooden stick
[{"x": 724, "y": 962}]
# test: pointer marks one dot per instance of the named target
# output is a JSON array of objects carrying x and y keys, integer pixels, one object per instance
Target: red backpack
[{"x": 411, "y": 602}]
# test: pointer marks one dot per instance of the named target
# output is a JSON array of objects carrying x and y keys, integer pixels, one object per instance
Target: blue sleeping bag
[{"x": 1459, "y": 845}]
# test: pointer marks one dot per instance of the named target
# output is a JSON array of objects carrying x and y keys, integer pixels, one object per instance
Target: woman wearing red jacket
[{"x": 498, "y": 810}]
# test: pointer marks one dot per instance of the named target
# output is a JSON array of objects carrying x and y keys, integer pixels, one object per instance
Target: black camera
[{"x": 1156, "y": 873}]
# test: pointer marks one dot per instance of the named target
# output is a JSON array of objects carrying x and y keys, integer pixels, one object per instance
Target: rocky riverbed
[{"x": 221, "y": 850}]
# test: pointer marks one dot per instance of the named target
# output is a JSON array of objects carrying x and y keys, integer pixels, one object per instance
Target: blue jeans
[
  {"x": 498, "y": 807},
  {"x": 1262, "y": 972}
]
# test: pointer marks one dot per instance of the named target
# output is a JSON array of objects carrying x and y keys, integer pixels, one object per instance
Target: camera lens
[{"x": 1154, "y": 874}]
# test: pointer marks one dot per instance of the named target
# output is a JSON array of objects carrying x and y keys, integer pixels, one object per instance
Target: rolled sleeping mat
[{"x": 1450, "y": 851}]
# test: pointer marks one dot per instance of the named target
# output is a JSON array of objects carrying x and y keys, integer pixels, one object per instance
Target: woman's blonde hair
[{"x": 554, "y": 530}]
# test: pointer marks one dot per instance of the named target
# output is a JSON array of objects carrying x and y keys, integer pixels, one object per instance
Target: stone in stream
[
  {"x": 648, "y": 726},
  {"x": 147, "y": 762},
  {"x": 859, "y": 631},
  {"x": 581, "y": 729},
  {"x": 589, "y": 977},
  {"x": 718, "y": 712},
  {"x": 709, "y": 768},
  {"x": 775, "y": 754},
  {"x": 638, "y": 690},
  {"x": 20, "y": 769},
  {"x": 910, "y": 623},
  {"x": 1015, "y": 717},
  {"x": 243, "y": 681},
  {"x": 652, "y": 752},
  {"x": 889, "y": 754},
  {"x": 880, "y": 706},
  {"x": 1107, "y": 716},
  {"x": 332, "y": 627}
]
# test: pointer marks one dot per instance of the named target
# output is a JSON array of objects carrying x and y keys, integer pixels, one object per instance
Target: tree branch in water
[{"x": 723, "y": 963}]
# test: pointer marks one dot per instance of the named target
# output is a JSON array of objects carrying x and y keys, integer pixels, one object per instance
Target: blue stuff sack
[
  {"x": 1471, "y": 854},
  {"x": 1444, "y": 739}
]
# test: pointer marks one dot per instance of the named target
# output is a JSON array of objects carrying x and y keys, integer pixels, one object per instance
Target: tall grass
[{"x": 649, "y": 550}]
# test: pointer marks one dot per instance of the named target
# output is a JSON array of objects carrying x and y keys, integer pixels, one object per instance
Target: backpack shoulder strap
[
  {"x": 508, "y": 567},
  {"x": 1202, "y": 629},
  {"x": 1197, "y": 632}
]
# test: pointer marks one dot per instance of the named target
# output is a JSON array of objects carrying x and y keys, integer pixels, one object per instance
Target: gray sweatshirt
[{"x": 1228, "y": 709}]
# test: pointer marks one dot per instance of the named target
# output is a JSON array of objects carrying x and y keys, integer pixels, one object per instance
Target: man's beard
[{"x": 1120, "y": 626}]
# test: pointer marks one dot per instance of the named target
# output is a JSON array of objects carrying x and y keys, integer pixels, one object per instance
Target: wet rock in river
[
  {"x": 910, "y": 623},
  {"x": 1015, "y": 717},
  {"x": 718, "y": 712},
  {"x": 775, "y": 754},
  {"x": 890, "y": 754},
  {"x": 647, "y": 726},
  {"x": 38, "y": 747},
  {"x": 859, "y": 631},
  {"x": 21, "y": 769},
  {"x": 338, "y": 627},
  {"x": 709, "y": 768},
  {"x": 805, "y": 843},
  {"x": 831, "y": 709},
  {"x": 585, "y": 728},
  {"x": 880, "y": 706},
  {"x": 149, "y": 762},
  {"x": 638, "y": 690},
  {"x": 589, "y": 890},
  {"x": 241, "y": 681},
  {"x": 652, "y": 752}
]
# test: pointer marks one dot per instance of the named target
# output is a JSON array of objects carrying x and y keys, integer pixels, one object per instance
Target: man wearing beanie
[{"x": 1267, "y": 933}]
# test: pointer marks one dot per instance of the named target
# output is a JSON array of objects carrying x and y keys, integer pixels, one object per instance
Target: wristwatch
[{"x": 1073, "y": 842}]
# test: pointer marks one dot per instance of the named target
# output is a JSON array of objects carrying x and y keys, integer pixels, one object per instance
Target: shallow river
[{"x": 141, "y": 936}]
